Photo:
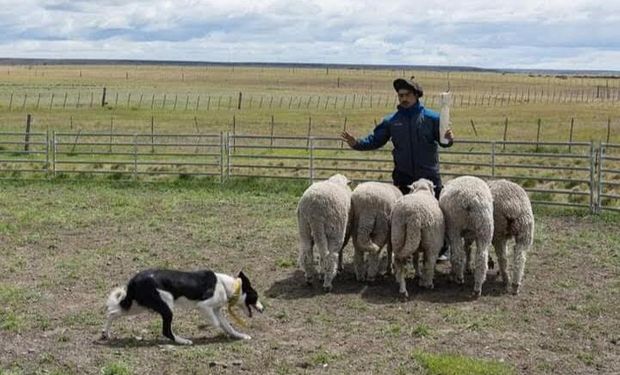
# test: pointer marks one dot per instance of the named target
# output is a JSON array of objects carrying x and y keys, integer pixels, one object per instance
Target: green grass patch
[
  {"x": 116, "y": 368},
  {"x": 451, "y": 364}
]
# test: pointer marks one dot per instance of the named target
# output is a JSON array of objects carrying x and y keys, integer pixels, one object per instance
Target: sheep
[
  {"x": 371, "y": 206},
  {"x": 513, "y": 217},
  {"x": 467, "y": 205},
  {"x": 323, "y": 216},
  {"x": 417, "y": 227}
]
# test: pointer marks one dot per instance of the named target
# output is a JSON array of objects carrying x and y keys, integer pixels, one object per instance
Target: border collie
[{"x": 158, "y": 290}]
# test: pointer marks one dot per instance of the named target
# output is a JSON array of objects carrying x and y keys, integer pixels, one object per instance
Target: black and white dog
[{"x": 158, "y": 290}]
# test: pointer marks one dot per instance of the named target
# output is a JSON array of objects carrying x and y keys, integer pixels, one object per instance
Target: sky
[{"x": 526, "y": 34}]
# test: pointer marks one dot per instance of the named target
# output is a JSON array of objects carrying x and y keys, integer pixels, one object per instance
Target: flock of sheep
[{"x": 414, "y": 227}]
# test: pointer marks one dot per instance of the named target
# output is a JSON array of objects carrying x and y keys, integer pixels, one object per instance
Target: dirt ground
[{"x": 65, "y": 249}]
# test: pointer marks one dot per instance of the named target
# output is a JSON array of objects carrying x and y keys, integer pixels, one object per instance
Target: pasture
[
  {"x": 64, "y": 243},
  {"x": 205, "y": 99}
]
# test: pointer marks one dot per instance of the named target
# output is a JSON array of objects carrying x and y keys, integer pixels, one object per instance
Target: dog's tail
[{"x": 119, "y": 299}]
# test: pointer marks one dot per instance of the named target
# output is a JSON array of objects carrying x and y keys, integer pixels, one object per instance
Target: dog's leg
[
  {"x": 105, "y": 332},
  {"x": 225, "y": 325},
  {"x": 163, "y": 307}
]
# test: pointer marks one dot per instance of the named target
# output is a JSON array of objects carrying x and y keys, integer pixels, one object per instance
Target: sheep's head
[
  {"x": 339, "y": 179},
  {"x": 422, "y": 185}
]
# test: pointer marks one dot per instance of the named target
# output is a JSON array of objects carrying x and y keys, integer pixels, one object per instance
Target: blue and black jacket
[{"x": 414, "y": 133}]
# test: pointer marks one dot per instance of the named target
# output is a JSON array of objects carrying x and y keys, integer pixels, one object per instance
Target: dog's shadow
[{"x": 132, "y": 342}]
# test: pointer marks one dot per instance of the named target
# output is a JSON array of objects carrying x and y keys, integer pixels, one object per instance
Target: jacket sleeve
[
  {"x": 379, "y": 137},
  {"x": 437, "y": 135}
]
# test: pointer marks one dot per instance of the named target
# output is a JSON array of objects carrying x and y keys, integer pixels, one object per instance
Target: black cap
[{"x": 408, "y": 84}]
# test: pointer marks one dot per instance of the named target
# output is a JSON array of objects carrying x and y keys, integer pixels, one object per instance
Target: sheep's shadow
[
  {"x": 132, "y": 342},
  {"x": 385, "y": 290},
  {"x": 294, "y": 286}
]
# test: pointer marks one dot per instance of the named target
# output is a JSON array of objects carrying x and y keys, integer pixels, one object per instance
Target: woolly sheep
[
  {"x": 371, "y": 206},
  {"x": 467, "y": 206},
  {"x": 417, "y": 227},
  {"x": 323, "y": 216},
  {"x": 513, "y": 218}
]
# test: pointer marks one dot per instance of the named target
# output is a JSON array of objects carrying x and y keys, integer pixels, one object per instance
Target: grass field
[
  {"x": 169, "y": 97},
  {"x": 65, "y": 243}
]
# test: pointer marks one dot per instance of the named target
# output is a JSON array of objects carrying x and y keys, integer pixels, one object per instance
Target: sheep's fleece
[
  {"x": 467, "y": 206},
  {"x": 323, "y": 216},
  {"x": 371, "y": 207}
]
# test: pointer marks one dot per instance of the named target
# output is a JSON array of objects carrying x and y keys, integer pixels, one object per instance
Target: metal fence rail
[{"x": 577, "y": 174}]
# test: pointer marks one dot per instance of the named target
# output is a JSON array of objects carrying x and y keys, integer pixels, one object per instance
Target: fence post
[
  {"x": 608, "y": 129},
  {"x": 135, "y": 156},
  {"x": 222, "y": 150},
  {"x": 599, "y": 187},
  {"x": 311, "y": 148},
  {"x": 271, "y": 139},
  {"x": 103, "y": 97},
  {"x": 570, "y": 136},
  {"x": 593, "y": 156},
  {"x": 228, "y": 155},
  {"x": 239, "y": 103},
  {"x": 473, "y": 127},
  {"x": 54, "y": 146},
  {"x": 538, "y": 135},
  {"x": 152, "y": 135},
  {"x": 47, "y": 153},
  {"x": 493, "y": 159},
  {"x": 111, "y": 131},
  {"x": 505, "y": 131},
  {"x": 234, "y": 130},
  {"x": 344, "y": 129},
  {"x": 309, "y": 131},
  {"x": 27, "y": 137}
]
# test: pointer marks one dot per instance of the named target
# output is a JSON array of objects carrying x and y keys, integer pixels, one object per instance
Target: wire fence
[
  {"x": 16, "y": 101},
  {"x": 572, "y": 174}
]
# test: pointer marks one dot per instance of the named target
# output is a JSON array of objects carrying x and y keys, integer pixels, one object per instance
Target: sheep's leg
[
  {"x": 428, "y": 271},
  {"x": 469, "y": 259},
  {"x": 388, "y": 270},
  {"x": 482, "y": 256},
  {"x": 415, "y": 260},
  {"x": 334, "y": 241},
  {"x": 381, "y": 236},
  {"x": 457, "y": 257},
  {"x": 306, "y": 255},
  {"x": 359, "y": 264},
  {"x": 399, "y": 273},
  {"x": 523, "y": 241},
  {"x": 500, "y": 246}
]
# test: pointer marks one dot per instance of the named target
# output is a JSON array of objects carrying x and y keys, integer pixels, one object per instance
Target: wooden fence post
[
  {"x": 27, "y": 137},
  {"x": 103, "y": 97},
  {"x": 570, "y": 136},
  {"x": 538, "y": 135},
  {"x": 271, "y": 139},
  {"x": 309, "y": 131},
  {"x": 505, "y": 131},
  {"x": 473, "y": 126},
  {"x": 240, "y": 97}
]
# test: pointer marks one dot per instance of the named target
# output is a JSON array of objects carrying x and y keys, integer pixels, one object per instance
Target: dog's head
[{"x": 249, "y": 296}]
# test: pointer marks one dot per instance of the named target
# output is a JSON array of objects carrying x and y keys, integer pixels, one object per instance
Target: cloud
[{"x": 526, "y": 34}]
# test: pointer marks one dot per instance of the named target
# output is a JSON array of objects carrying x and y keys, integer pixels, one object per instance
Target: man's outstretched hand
[{"x": 351, "y": 141}]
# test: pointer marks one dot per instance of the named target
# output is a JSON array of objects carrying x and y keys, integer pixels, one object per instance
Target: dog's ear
[{"x": 243, "y": 277}]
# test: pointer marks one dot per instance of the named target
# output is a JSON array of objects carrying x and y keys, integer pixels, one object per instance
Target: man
[{"x": 414, "y": 131}]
